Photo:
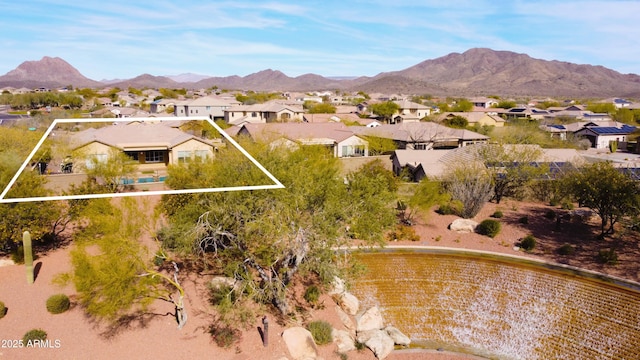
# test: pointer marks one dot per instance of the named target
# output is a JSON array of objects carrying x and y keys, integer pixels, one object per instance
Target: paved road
[{"x": 7, "y": 119}]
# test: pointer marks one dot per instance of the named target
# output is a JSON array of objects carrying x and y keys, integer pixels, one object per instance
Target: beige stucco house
[
  {"x": 476, "y": 117},
  {"x": 152, "y": 146},
  {"x": 269, "y": 112},
  {"x": 337, "y": 137}
]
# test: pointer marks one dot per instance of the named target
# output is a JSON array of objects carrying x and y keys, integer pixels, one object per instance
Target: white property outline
[{"x": 277, "y": 184}]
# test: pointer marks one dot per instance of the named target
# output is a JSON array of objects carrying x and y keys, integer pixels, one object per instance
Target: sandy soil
[{"x": 154, "y": 335}]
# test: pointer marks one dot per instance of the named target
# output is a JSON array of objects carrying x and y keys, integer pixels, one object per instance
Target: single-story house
[
  {"x": 339, "y": 138},
  {"x": 601, "y": 136},
  {"x": 153, "y": 146},
  {"x": 474, "y": 117},
  {"x": 423, "y": 135},
  {"x": 564, "y": 131},
  {"x": 433, "y": 164},
  {"x": 483, "y": 102}
]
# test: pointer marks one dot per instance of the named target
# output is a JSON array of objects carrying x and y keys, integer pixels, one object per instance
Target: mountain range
[{"x": 477, "y": 71}]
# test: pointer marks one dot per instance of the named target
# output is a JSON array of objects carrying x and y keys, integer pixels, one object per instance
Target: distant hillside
[
  {"x": 47, "y": 72},
  {"x": 474, "y": 72},
  {"x": 147, "y": 81},
  {"x": 485, "y": 71}
]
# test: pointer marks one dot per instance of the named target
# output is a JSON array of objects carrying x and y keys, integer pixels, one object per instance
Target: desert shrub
[
  {"x": 3, "y": 310},
  {"x": 451, "y": 208},
  {"x": 551, "y": 215},
  {"x": 224, "y": 336},
  {"x": 402, "y": 232},
  {"x": 158, "y": 259},
  {"x": 34, "y": 334},
  {"x": 567, "y": 205},
  {"x": 489, "y": 227},
  {"x": 609, "y": 257},
  {"x": 524, "y": 220},
  {"x": 221, "y": 294},
  {"x": 528, "y": 243},
  {"x": 321, "y": 332},
  {"x": 57, "y": 304},
  {"x": 17, "y": 255},
  {"x": 497, "y": 214},
  {"x": 312, "y": 294},
  {"x": 566, "y": 249}
]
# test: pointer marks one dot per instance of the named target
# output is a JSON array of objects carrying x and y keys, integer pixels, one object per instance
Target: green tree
[
  {"x": 609, "y": 192},
  {"x": 385, "y": 109},
  {"x": 513, "y": 168},
  {"x": 15, "y": 145},
  {"x": 457, "y": 122},
  {"x": 470, "y": 184},
  {"x": 112, "y": 271},
  {"x": 111, "y": 173},
  {"x": 320, "y": 108},
  {"x": 463, "y": 105},
  {"x": 379, "y": 145},
  {"x": 265, "y": 237},
  {"x": 506, "y": 104},
  {"x": 602, "y": 108}
]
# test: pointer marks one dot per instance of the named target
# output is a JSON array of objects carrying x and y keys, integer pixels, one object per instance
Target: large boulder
[
  {"x": 346, "y": 320},
  {"x": 344, "y": 340},
  {"x": 349, "y": 303},
  {"x": 398, "y": 337},
  {"x": 463, "y": 225},
  {"x": 218, "y": 281},
  {"x": 378, "y": 341},
  {"x": 300, "y": 343},
  {"x": 370, "y": 320}
]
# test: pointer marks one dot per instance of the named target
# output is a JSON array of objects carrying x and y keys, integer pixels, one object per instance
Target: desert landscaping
[{"x": 154, "y": 334}]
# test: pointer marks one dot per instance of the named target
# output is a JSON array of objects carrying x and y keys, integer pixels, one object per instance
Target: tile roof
[
  {"x": 134, "y": 135},
  {"x": 419, "y": 132},
  {"x": 304, "y": 132}
]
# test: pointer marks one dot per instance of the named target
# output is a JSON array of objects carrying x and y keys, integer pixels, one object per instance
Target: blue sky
[{"x": 123, "y": 39}]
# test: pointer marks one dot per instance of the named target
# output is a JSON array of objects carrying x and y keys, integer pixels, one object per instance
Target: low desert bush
[
  {"x": 403, "y": 232},
  {"x": 524, "y": 220},
  {"x": 312, "y": 294},
  {"x": 489, "y": 227},
  {"x": 3, "y": 310},
  {"x": 567, "y": 205},
  {"x": 609, "y": 257},
  {"x": 224, "y": 336},
  {"x": 57, "y": 304},
  {"x": 551, "y": 215},
  {"x": 451, "y": 208},
  {"x": 34, "y": 334},
  {"x": 566, "y": 249},
  {"x": 321, "y": 332},
  {"x": 17, "y": 255},
  {"x": 528, "y": 243},
  {"x": 497, "y": 214}
]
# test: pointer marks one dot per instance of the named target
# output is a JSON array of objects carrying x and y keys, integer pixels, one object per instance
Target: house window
[
  {"x": 202, "y": 154},
  {"x": 254, "y": 114},
  {"x": 420, "y": 146},
  {"x": 133, "y": 155},
  {"x": 184, "y": 156},
  {"x": 95, "y": 159},
  {"x": 352, "y": 150},
  {"x": 154, "y": 157}
]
